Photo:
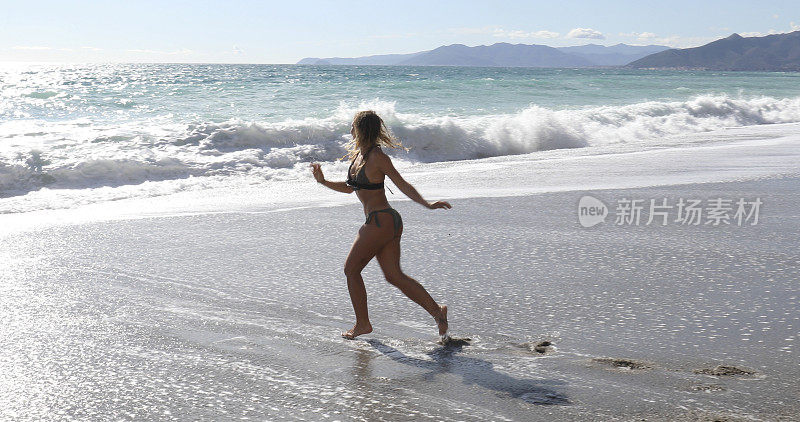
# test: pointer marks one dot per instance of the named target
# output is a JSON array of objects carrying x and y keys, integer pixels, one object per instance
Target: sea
[{"x": 77, "y": 134}]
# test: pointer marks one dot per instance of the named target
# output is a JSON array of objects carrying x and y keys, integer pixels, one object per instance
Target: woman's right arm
[{"x": 337, "y": 186}]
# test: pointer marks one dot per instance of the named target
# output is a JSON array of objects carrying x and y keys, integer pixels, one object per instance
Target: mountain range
[
  {"x": 776, "y": 52},
  {"x": 505, "y": 55}
]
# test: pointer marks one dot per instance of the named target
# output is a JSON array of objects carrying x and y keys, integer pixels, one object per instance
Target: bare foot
[
  {"x": 441, "y": 320},
  {"x": 357, "y": 330}
]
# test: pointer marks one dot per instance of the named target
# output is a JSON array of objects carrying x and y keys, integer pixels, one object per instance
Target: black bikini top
[{"x": 361, "y": 181}]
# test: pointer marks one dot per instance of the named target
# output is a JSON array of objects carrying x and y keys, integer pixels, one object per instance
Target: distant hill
[
  {"x": 384, "y": 59},
  {"x": 777, "y": 52},
  {"x": 500, "y": 54},
  {"x": 615, "y": 55},
  {"x": 504, "y": 54}
]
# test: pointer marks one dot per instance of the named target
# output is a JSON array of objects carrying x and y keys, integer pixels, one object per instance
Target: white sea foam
[{"x": 82, "y": 155}]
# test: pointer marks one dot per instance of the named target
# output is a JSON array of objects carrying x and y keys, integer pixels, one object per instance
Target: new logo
[{"x": 591, "y": 211}]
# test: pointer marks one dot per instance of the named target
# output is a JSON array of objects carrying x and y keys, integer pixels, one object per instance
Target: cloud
[
  {"x": 30, "y": 47},
  {"x": 517, "y": 34},
  {"x": 757, "y": 33},
  {"x": 641, "y": 36},
  {"x": 92, "y": 48},
  {"x": 792, "y": 27},
  {"x": 585, "y": 33},
  {"x": 675, "y": 41}
]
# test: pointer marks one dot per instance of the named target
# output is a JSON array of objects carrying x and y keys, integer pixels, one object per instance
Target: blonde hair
[{"x": 369, "y": 130}]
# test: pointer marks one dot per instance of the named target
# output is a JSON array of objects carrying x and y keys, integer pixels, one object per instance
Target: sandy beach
[{"x": 218, "y": 316}]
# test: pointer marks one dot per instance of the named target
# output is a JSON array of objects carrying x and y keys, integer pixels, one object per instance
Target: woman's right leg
[{"x": 389, "y": 260}]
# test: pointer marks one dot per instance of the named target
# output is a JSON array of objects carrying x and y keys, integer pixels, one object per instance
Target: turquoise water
[
  {"x": 70, "y": 128},
  {"x": 112, "y": 93}
]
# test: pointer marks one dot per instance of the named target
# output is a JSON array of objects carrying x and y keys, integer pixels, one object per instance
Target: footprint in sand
[
  {"x": 449, "y": 341},
  {"x": 706, "y": 388},
  {"x": 629, "y": 364},
  {"x": 725, "y": 371}
]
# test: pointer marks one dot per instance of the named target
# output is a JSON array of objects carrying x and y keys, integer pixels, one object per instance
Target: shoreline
[{"x": 744, "y": 153}]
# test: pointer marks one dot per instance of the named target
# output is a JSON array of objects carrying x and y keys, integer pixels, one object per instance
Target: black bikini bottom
[{"x": 397, "y": 221}]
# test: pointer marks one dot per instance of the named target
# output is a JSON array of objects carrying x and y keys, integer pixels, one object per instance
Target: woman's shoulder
[
  {"x": 381, "y": 159},
  {"x": 378, "y": 153},
  {"x": 375, "y": 151}
]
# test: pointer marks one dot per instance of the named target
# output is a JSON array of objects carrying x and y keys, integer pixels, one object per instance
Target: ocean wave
[{"x": 139, "y": 153}]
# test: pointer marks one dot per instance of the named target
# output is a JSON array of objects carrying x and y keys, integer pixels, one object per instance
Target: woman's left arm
[{"x": 385, "y": 165}]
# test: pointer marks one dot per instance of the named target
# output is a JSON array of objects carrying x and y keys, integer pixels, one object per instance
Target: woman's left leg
[
  {"x": 389, "y": 260},
  {"x": 369, "y": 241}
]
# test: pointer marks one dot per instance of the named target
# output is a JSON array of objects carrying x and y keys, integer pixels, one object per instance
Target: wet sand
[{"x": 237, "y": 315}]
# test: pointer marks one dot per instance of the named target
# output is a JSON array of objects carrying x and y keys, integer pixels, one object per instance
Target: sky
[{"x": 239, "y": 31}]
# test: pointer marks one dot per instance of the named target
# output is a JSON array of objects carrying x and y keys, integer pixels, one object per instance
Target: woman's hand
[
  {"x": 337, "y": 186},
  {"x": 317, "y": 172},
  {"x": 439, "y": 204}
]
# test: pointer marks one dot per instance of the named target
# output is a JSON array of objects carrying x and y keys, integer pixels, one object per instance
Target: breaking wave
[{"x": 137, "y": 153}]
